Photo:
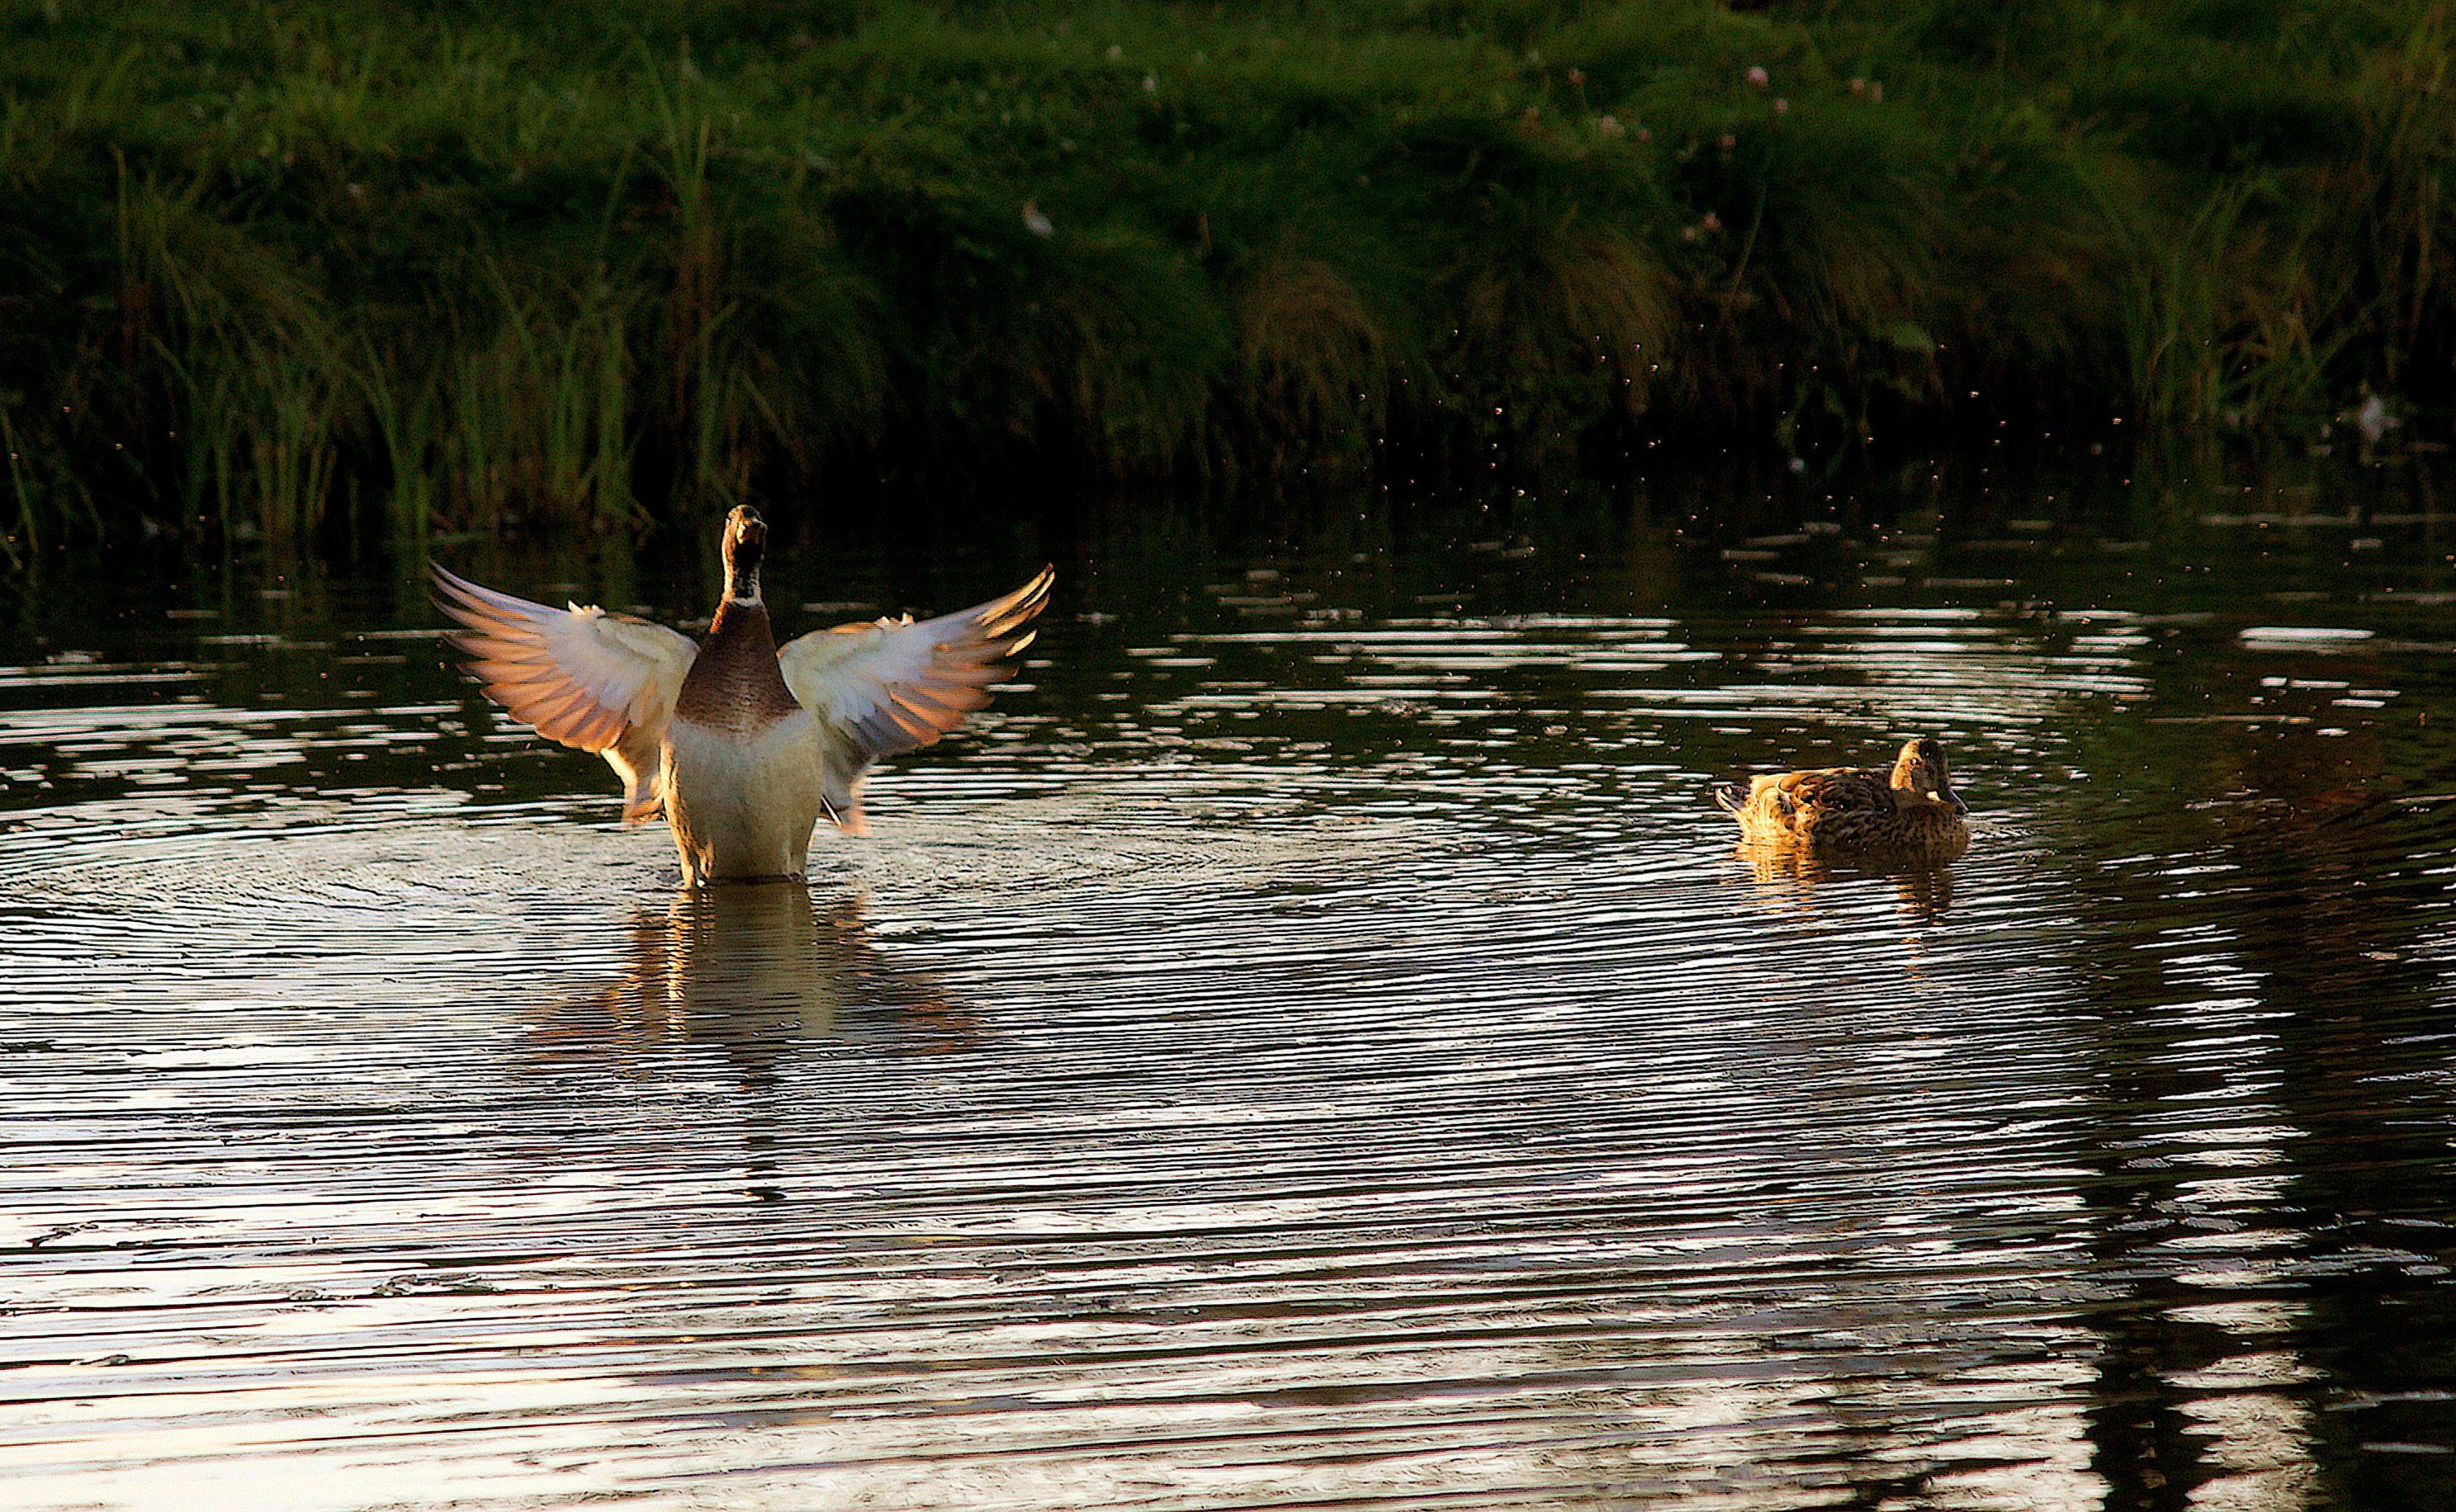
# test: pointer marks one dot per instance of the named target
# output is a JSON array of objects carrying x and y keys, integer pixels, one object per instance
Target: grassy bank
[{"x": 266, "y": 268}]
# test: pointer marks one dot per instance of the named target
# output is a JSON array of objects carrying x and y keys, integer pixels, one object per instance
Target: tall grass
[{"x": 565, "y": 266}]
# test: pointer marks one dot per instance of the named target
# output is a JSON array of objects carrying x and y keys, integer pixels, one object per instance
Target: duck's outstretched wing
[
  {"x": 593, "y": 681},
  {"x": 893, "y": 685}
]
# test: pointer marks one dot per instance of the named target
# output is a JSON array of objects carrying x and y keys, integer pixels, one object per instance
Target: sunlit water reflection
[{"x": 1314, "y": 1044}]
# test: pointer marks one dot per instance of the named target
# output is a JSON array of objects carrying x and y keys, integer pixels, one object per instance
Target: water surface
[{"x": 1311, "y": 1044}]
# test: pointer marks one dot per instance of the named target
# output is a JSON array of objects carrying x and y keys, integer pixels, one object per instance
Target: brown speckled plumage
[{"x": 1846, "y": 810}]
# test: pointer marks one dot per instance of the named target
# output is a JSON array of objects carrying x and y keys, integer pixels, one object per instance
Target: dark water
[{"x": 1312, "y": 1045}]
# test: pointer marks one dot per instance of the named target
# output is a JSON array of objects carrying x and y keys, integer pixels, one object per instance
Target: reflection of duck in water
[
  {"x": 754, "y": 965},
  {"x": 1910, "y": 809},
  {"x": 1791, "y": 873},
  {"x": 741, "y": 746}
]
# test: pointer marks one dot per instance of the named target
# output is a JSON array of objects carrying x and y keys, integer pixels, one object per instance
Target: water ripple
[{"x": 1336, "y": 1062}]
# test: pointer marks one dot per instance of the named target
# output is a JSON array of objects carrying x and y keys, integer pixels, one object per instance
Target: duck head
[
  {"x": 1921, "y": 769},
  {"x": 746, "y": 541}
]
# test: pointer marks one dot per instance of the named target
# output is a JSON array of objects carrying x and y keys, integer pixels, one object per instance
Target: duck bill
[{"x": 1944, "y": 790}]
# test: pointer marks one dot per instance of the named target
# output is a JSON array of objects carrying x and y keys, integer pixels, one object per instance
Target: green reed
[{"x": 531, "y": 264}]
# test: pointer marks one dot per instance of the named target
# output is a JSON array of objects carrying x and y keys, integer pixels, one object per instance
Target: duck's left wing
[
  {"x": 579, "y": 676},
  {"x": 893, "y": 685},
  {"x": 1835, "y": 788}
]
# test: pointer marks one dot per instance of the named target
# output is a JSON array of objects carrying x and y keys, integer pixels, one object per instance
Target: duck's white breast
[{"x": 742, "y": 802}]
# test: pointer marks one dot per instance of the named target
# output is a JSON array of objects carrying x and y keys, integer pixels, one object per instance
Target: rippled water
[{"x": 1312, "y": 1045}]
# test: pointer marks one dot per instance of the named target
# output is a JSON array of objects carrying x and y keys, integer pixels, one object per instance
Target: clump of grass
[
  {"x": 568, "y": 266},
  {"x": 1316, "y": 367},
  {"x": 532, "y": 419},
  {"x": 244, "y": 357}
]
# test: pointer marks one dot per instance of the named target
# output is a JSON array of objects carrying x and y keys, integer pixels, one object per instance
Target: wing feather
[
  {"x": 892, "y": 686},
  {"x": 581, "y": 677},
  {"x": 1835, "y": 789}
]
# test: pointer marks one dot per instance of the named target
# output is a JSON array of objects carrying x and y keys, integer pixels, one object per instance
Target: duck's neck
[
  {"x": 742, "y": 603},
  {"x": 743, "y": 619},
  {"x": 741, "y": 581}
]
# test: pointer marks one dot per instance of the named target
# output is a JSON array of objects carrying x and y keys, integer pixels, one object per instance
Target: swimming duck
[
  {"x": 741, "y": 746},
  {"x": 1851, "y": 810}
]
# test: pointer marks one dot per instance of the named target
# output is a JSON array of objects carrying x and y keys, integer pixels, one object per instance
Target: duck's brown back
[
  {"x": 1840, "y": 789},
  {"x": 1846, "y": 808}
]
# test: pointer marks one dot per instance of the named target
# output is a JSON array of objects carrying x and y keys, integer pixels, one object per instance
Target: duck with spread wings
[{"x": 740, "y": 745}]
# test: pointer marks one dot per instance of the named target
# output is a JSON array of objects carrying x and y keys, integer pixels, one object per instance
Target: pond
[{"x": 1313, "y": 1042}]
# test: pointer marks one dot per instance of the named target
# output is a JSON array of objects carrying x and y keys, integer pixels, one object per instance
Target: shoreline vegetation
[{"x": 275, "y": 271}]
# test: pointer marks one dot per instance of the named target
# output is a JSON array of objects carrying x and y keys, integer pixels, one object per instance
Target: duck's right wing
[
  {"x": 579, "y": 676},
  {"x": 892, "y": 686}
]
